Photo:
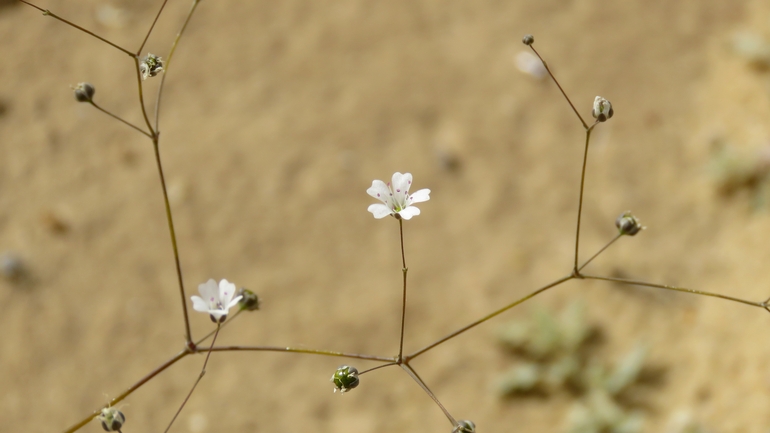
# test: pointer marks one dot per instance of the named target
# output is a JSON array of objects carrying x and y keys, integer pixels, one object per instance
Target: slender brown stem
[
  {"x": 175, "y": 247},
  {"x": 677, "y": 289},
  {"x": 580, "y": 202},
  {"x": 559, "y": 86},
  {"x": 145, "y": 379},
  {"x": 51, "y": 14},
  {"x": 120, "y": 119},
  {"x": 378, "y": 367},
  {"x": 600, "y": 251},
  {"x": 77, "y": 426},
  {"x": 487, "y": 317},
  {"x": 197, "y": 381},
  {"x": 141, "y": 101},
  {"x": 413, "y": 374},
  {"x": 299, "y": 350},
  {"x": 147, "y": 36},
  {"x": 168, "y": 63},
  {"x": 404, "y": 270}
]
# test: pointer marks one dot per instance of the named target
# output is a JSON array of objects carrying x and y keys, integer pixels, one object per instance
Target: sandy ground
[{"x": 277, "y": 117}]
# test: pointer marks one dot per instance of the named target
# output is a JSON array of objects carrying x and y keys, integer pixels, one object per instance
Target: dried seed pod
[
  {"x": 628, "y": 224},
  {"x": 84, "y": 92},
  {"x": 111, "y": 419},
  {"x": 464, "y": 426},
  {"x": 345, "y": 379}
]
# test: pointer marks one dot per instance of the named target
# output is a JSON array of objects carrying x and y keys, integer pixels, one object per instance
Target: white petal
[
  {"x": 402, "y": 181},
  {"x": 379, "y": 210},
  {"x": 199, "y": 304},
  {"x": 233, "y": 303},
  {"x": 409, "y": 212},
  {"x": 420, "y": 196},
  {"x": 226, "y": 291},
  {"x": 379, "y": 190},
  {"x": 209, "y": 290}
]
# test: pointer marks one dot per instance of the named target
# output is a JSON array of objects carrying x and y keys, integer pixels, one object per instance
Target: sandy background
[{"x": 279, "y": 114}]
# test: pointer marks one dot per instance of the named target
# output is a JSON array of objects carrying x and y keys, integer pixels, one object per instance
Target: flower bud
[
  {"x": 249, "y": 300},
  {"x": 627, "y": 224},
  {"x": 150, "y": 66},
  {"x": 345, "y": 379},
  {"x": 528, "y": 40},
  {"x": 602, "y": 109},
  {"x": 84, "y": 92},
  {"x": 464, "y": 426},
  {"x": 111, "y": 418}
]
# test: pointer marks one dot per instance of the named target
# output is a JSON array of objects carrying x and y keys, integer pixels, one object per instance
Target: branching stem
[
  {"x": 404, "y": 270},
  {"x": 53, "y": 15},
  {"x": 120, "y": 119}
]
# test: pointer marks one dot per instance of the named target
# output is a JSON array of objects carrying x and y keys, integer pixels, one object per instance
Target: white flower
[
  {"x": 602, "y": 109},
  {"x": 216, "y": 301},
  {"x": 396, "y": 198}
]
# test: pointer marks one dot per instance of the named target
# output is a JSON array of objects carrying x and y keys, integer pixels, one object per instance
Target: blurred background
[{"x": 277, "y": 117}]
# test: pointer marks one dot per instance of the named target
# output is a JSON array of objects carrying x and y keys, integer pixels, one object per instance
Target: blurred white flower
[
  {"x": 216, "y": 300},
  {"x": 396, "y": 198},
  {"x": 150, "y": 66}
]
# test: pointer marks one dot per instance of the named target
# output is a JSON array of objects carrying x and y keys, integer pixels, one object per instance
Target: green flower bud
[
  {"x": 528, "y": 40},
  {"x": 249, "y": 300},
  {"x": 345, "y": 379}
]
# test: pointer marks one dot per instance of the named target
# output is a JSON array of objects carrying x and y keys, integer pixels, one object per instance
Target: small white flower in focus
[
  {"x": 150, "y": 66},
  {"x": 395, "y": 197},
  {"x": 602, "y": 109},
  {"x": 216, "y": 300}
]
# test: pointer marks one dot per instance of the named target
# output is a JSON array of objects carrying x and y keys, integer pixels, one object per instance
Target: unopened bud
[
  {"x": 464, "y": 426},
  {"x": 84, "y": 92},
  {"x": 528, "y": 40},
  {"x": 111, "y": 418},
  {"x": 602, "y": 109},
  {"x": 150, "y": 66},
  {"x": 249, "y": 300},
  {"x": 345, "y": 379},
  {"x": 627, "y": 224}
]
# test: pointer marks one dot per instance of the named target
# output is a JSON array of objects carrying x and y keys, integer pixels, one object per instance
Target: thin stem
[
  {"x": 677, "y": 289},
  {"x": 378, "y": 367},
  {"x": 580, "y": 202},
  {"x": 152, "y": 374},
  {"x": 559, "y": 86},
  {"x": 487, "y": 317},
  {"x": 197, "y": 381},
  {"x": 172, "y": 233},
  {"x": 77, "y": 426},
  {"x": 299, "y": 350},
  {"x": 51, "y": 14},
  {"x": 120, "y": 119},
  {"x": 168, "y": 63},
  {"x": 141, "y": 101},
  {"x": 404, "y": 270},
  {"x": 600, "y": 251},
  {"x": 144, "y": 42},
  {"x": 410, "y": 371}
]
